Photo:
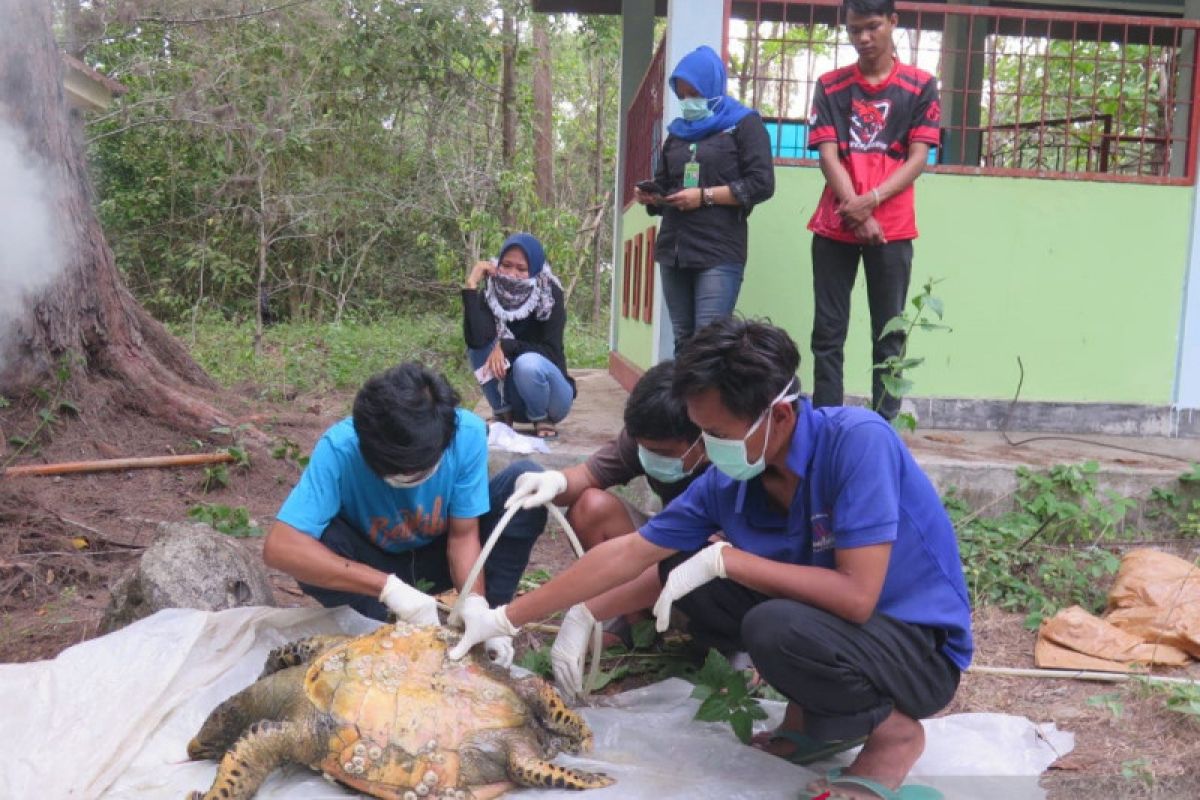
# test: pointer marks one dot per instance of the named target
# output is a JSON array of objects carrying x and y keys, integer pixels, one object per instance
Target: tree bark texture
[
  {"x": 508, "y": 112},
  {"x": 543, "y": 114},
  {"x": 86, "y": 312}
]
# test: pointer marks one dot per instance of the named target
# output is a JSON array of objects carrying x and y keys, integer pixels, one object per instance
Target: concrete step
[{"x": 980, "y": 465}]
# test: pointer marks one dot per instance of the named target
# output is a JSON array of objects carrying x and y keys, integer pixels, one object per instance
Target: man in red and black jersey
[{"x": 873, "y": 123}]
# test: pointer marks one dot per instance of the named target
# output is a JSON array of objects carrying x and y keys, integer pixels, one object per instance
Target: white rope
[{"x": 490, "y": 544}]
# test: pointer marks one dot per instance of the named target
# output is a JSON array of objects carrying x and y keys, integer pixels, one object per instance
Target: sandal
[
  {"x": 505, "y": 417},
  {"x": 544, "y": 429},
  {"x": 908, "y": 791},
  {"x": 807, "y": 749}
]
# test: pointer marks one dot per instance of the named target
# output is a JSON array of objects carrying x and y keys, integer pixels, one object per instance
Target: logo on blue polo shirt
[{"x": 822, "y": 536}]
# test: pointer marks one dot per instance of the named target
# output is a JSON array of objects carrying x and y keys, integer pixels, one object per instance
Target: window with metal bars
[{"x": 1024, "y": 92}]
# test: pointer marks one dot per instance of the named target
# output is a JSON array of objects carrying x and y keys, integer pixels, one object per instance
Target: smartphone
[{"x": 650, "y": 187}]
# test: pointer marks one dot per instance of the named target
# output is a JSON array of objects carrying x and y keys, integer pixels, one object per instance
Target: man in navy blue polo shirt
[{"x": 838, "y": 572}]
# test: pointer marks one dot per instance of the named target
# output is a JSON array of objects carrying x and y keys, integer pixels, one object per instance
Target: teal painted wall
[{"x": 1082, "y": 280}]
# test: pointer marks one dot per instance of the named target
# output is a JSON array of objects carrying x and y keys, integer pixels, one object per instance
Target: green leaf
[
  {"x": 715, "y": 708},
  {"x": 935, "y": 304},
  {"x": 743, "y": 727},
  {"x": 896, "y": 386},
  {"x": 893, "y": 325},
  {"x": 644, "y": 634},
  {"x": 68, "y": 407}
]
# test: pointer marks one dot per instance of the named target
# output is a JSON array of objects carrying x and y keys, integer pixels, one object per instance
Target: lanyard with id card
[{"x": 691, "y": 171}]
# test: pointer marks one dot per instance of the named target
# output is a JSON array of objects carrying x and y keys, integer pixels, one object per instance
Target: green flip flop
[
  {"x": 908, "y": 791},
  {"x": 809, "y": 749}
]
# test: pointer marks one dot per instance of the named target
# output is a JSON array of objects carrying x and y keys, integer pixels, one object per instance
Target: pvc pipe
[
  {"x": 1078, "y": 674},
  {"x": 473, "y": 575}
]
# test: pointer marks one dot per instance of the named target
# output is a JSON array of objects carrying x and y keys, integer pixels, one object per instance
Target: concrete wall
[{"x": 1082, "y": 280}]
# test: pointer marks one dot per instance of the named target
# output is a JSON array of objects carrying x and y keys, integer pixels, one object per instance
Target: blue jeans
[
  {"x": 696, "y": 297},
  {"x": 534, "y": 388},
  {"x": 429, "y": 564}
]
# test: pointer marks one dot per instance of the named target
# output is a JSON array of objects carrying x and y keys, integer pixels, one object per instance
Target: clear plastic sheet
[{"x": 110, "y": 718}]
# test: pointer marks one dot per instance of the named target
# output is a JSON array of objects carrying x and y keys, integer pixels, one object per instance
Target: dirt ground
[{"x": 65, "y": 540}]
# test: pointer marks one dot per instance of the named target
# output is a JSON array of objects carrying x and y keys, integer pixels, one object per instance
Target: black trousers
[
  {"x": 847, "y": 678},
  {"x": 888, "y": 268}
]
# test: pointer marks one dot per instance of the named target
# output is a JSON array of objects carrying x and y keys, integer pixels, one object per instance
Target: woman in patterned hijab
[{"x": 514, "y": 331}]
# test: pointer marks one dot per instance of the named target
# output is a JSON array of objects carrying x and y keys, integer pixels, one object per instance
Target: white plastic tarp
[{"x": 110, "y": 718}]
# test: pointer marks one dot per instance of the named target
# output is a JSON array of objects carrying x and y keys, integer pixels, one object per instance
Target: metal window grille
[
  {"x": 1024, "y": 92},
  {"x": 643, "y": 126}
]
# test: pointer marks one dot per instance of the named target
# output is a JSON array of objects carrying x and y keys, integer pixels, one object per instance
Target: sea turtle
[{"x": 389, "y": 714}]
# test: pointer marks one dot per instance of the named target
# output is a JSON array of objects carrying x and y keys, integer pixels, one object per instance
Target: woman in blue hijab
[
  {"x": 514, "y": 331},
  {"x": 715, "y": 166}
]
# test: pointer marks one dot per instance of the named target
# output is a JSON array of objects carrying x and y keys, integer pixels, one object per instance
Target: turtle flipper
[
  {"x": 266, "y": 746},
  {"x": 526, "y": 767},
  {"x": 276, "y": 697},
  {"x": 301, "y": 651},
  {"x": 554, "y": 714}
]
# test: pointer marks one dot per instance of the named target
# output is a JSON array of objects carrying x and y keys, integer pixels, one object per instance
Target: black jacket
[
  {"x": 532, "y": 335},
  {"x": 714, "y": 235}
]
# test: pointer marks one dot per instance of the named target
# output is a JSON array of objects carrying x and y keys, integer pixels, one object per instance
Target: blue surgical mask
[
  {"x": 667, "y": 469},
  {"x": 694, "y": 109},
  {"x": 411, "y": 480},
  {"x": 729, "y": 455}
]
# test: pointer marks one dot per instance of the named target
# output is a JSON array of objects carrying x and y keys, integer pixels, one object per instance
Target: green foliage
[
  {"x": 1112, "y": 97},
  {"x": 1180, "y": 505},
  {"x": 285, "y": 449},
  {"x": 51, "y": 403},
  {"x": 233, "y": 521},
  {"x": 1182, "y": 698},
  {"x": 342, "y": 159},
  {"x": 726, "y": 696},
  {"x": 893, "y": 367},
  {"x": 1057, "y": 548},
  {"x": 1138, "y": 769},
  {"x": 1111, "y": 701},
  {"x": 532, "y": 579},
  {"x": 215, "y": 477},
  {"x": 537, "y": 661}
]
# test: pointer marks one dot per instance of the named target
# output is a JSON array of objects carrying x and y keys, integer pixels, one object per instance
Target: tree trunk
[
  {"x": 86, "y": 314},
  {"x": 543, "y": 114},
  {"x": 508, "y": 113},
  {"x": 597, "y": 186}
]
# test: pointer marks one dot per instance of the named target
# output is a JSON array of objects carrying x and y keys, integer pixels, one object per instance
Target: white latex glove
[
  {"x": 570, "y": 651},
  {"x": 688, "y": 576},
  {"x": 500, "y": 650},
  {"x": 473, "y": 601},
  {"x": 408, "y": 604},
  {"x": 533, "y": 489},
  {"x": 481, "y": 625}
]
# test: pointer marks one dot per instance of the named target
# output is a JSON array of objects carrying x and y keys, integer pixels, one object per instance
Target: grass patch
[{"x": 316, "y": 358}]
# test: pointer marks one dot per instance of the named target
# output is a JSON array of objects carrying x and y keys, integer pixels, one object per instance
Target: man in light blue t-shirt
[
  {"x": 397, "y": 497},
  {"x": 837, "y": 569}
]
